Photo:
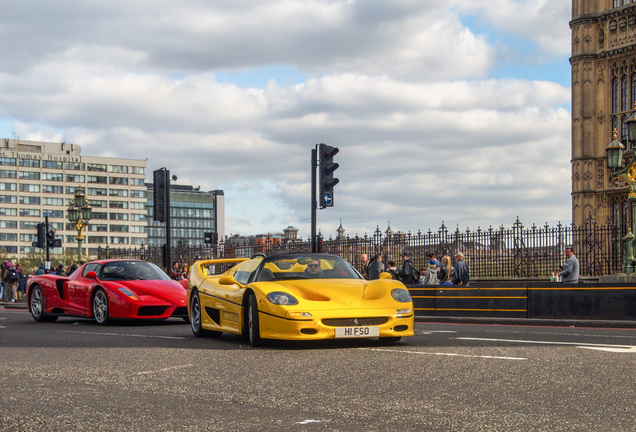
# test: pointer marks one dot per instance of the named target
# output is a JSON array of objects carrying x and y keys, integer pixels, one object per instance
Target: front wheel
[
  {"x": 253, "y": 323},
  {"x": 390, "y": 340},
  {"x": 100, "y": 307}
]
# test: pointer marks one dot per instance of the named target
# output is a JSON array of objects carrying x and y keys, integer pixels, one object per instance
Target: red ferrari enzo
[{"x": 108, "y": 289}]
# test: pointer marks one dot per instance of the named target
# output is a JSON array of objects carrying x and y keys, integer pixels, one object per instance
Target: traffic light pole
[
  {"x": 46, "y": 243},
  {"x": 314, "y": 204}
]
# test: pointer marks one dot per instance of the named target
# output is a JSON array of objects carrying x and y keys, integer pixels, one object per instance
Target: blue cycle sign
[{"x": 328, "y": 199}]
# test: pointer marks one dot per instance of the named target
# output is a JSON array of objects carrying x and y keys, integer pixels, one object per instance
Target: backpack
[{"x": 12, "y": 275}]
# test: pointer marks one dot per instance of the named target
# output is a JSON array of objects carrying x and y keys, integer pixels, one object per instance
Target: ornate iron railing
[{"x": 493, "y": 253}]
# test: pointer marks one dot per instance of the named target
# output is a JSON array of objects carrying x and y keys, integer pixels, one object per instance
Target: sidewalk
[{"x": 21, "y": 305}]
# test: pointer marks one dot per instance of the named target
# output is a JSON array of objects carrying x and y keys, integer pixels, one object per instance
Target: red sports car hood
[{"x": 168, "y": 290}]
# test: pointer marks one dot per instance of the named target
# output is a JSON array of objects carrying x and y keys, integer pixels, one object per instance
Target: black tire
[
  {"x": 36, "y": 305},
  {"x": 100, "y": 306},
  {"x": 196, "y": 318},
  {"x": 253, "y": 324}
]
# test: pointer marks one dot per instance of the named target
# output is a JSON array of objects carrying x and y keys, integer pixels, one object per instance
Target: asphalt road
[{"x": 73, "y": 375}]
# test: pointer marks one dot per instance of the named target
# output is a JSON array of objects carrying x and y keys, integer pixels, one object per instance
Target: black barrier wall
[{"x": 538, "y": 300}]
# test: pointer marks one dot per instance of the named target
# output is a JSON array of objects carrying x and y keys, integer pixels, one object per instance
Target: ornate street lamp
[{"x": 79, "y": 213}]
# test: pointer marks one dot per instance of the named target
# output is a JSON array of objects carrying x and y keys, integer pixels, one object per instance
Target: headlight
[
  {"x": 282, "y": 298},
  {"x": 401, "y": 295},
  {"x": 129, "y": 293}
]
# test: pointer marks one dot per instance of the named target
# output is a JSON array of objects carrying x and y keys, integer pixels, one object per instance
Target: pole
[
  {"x": 314, "y": 205},
  {"x": 168, "y": 240},
  {"x": 46, "y": 241}
]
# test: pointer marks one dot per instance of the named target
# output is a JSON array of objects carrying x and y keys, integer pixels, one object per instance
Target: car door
[{"x": 79, "y": 290}]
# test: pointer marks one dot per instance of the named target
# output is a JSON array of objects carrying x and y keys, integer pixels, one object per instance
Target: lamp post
[{"x": 79, "y": 213}]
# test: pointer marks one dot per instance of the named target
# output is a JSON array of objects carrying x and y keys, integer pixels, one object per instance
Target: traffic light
[
  {"x": 327, "y": 180},
  {"x": 160, "y": 188},
  {"x": 41, "y": 239},
  {"x": 51, "y": 241},
  {"x": 210, "y": 238}
]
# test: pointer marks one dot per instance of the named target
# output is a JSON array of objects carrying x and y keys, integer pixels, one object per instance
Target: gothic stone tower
[{"x": 603, "y": 96}]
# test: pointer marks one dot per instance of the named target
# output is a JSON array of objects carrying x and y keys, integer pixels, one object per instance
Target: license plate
[{"x": 353, "y": 332}]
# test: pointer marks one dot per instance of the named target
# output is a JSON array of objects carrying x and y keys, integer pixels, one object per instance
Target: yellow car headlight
[{"x": 299, "y": 315}]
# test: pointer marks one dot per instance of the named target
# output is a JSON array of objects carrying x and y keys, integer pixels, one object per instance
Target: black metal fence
[{"x": 501, "y": 253}]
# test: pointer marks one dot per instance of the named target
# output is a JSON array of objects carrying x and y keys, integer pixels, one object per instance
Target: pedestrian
[
  {"x": 430, "y": 277},
  {"x": 71, "y": 268},
  {"x": 376, "y": 267},
  {"x": 22, "y": 282},
  {"x": 462, "y": 274},
  {"x": 431, "y": 257},
  {"x": 185, "y": 271},
  {"x": 175, "y": 271},
  {"x": 364, "y": 259},
  {"x": 570, "y": 269},
  {"x": 11, "y": 280},
  {"x": 445, "y": 273},
  {"x": 40, "y": 270},
  {"x": 59, "y": 270},
  {"x": 408, "y": 274},
  {"x": 392, "y": 268}
]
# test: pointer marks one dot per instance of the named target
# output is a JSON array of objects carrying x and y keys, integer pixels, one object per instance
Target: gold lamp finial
[{"x": 615, "y": 136}]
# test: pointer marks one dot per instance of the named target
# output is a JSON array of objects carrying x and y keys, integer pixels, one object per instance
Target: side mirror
[
  {"x": 227, "y": 280},
  {"x": 386, "y": 275},
  {"x": 91, "y": 275}
]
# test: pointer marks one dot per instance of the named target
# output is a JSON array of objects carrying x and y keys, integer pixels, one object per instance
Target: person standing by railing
[{"x": 570, "y": 272}]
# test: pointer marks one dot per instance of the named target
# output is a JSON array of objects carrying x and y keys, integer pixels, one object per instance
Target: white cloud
[{"x": 402, "y": 88}]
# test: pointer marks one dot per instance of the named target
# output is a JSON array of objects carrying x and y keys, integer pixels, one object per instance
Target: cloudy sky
[{"x": 454, "y": 111}]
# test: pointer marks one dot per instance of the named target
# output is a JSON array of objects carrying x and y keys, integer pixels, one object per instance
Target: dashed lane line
[
  {"x": 598, "y": 347},
  {"x": 445, "y": 354}
]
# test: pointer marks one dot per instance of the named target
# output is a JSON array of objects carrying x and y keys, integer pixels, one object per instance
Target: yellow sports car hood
[{"x": 336, "y": 292}]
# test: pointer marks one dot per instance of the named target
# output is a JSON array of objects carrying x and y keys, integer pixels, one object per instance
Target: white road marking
[
  {"x": 445, "y": 354},
  {"x": 599, "y": 347},
  {"x": 308, "y": 421},
  {"x": 166, "y": 369},
  {"x": 127, "y": 335}
]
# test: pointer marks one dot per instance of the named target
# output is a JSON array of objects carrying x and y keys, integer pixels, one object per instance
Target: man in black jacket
[
  {"x": 408, "y": 274},
  {"x": 461, "y": 275}
]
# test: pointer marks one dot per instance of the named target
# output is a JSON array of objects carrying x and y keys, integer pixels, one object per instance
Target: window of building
[
  {"x": 118, "y": 192},
  {"x": 25, "y": 212},
  {"x": 97, "y": 191},
  {"x": 7, "y": 161},
  {"x": 119, "y": 240},
  {"x": 58, "y": 214},
  {"x": 8, "y": 199},
  {"x": 96, "y": 179},
  {"x": 71, "y": 190},
  {"x": 30, "y": 163},
  {"x": 96, "y": 167},
  {"x": 52, "y": 201},
  {"x": 137, "y": 170},
  {"x": 122, "y": 169},
  {"x": 52, "y": 189},
  {"x": 137, "y": 217},
  {"x": 617, "y": 3},
  {"x": 118, "y": 181},
  {"x": 625, "y": 94},
  {"x": 137, "y": 182},
  {"x": 97, "y": 203},
  {"x": 10, "y": 224},
  {"x": 12, "y": 249},
  {"x": 76, "y": 166},
  {"x": 8, "y": 174},
  {"x": 138, "y": 229},
  {"x": 119, "y": 228},
  {"x": 26, "y": 187},
  {"x": 47, "y": 176},
  {"x": 29, "y": 200},
  {"x": 137, "y": 194},
  {"x": 52, "y": 165},
  {"x": 137, "y": 205},
  {"x": 615, "y": 95},
  {"x": 8, "y": 237},
  {"x": 75, "y": 178},
  {"x": 119, "y": 216},
  {"x": 118, "y": 204},
  {"x": 8, "y": 211},
  {"x": 8, "y": 186},
  {"x": 29, "y": 175},
  {"x": 137, "y": 240},
  {"x": 96, "y": 227},
  {"x": 28, "y": 237},
  {"x": 100, "y": 215},
  {"x": 97, "y": 239}
]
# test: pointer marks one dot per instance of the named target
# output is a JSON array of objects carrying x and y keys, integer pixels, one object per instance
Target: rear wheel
[
  {"x": 36, "y": 303},
  {"x": 100, "y": 306},
  {"x": 195, "y": 318},
  {"x": 253, "y": 324}
]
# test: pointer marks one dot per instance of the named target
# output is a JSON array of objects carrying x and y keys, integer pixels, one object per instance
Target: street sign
[{"x": 327, "y": 199}]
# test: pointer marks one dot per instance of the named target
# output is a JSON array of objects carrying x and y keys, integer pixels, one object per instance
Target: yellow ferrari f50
[{"x": 298, "y": 296}]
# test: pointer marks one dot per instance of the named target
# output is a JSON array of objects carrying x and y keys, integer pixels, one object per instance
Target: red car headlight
[{"x": 128, "y": 293}]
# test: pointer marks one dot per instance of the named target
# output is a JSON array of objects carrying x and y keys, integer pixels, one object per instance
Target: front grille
[
  {"x": 352, "y": 322},
  {"x": 180, "y": 312},
  {"x": 151, "y": 310}
]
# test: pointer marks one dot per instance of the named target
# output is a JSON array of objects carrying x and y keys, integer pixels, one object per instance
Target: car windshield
[
  {"x": 132, "y": 270},
  {"x": 305, "y": 266}
]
